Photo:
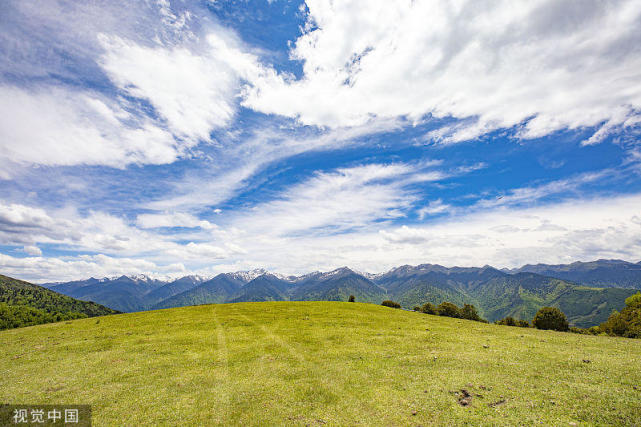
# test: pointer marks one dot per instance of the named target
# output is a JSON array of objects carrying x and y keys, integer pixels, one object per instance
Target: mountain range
[{"x": 586, "y": 291}]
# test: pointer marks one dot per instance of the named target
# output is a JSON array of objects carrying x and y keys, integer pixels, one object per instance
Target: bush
[
  {"x": 628, "y": 322},
  {"x": 633, "y": 300},
  {"x": 351, "y": 298},
  {"x": 390, "y": 303},
  {"x": 448, "y": 309},
  {"x": 511, "y": 321},
  {"x": 417, "y": 308},
  {"x": 428, "y": 308},
  {"x": 507, "y": 321},
  {"x": 469, "y": 312},
  {"x": 550, "y": 318},
  {"x": 576, "y": 330},
  {"x": 594, "y": 330}
]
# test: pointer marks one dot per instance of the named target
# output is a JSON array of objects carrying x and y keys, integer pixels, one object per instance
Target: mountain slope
[
  {"x": 24, "y": 304},
  {"x": 123, "y": 293},
  {"x": 170, "y": 289},
  {"x": 600, "y": 273},
  {"x": 263, "y": 288},
  {"x": 498, "y": 294},
  {"x": 337, "y": 285},
  {"x": 217, "y": 290}
]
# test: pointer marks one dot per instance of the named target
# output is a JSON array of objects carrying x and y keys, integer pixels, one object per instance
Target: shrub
[
  {"x": 633, "y": 300},
  {"x": 428, "y": 308},
  {"x": 511, "y": 321},
  {"x": 550, "y": 318},
  {"x": 469, "y": 312},
  {"x": 628, "y": 322},
  {"x": 615, "y": 325},
  {"x": 351, "y": 298},
  {"x": 507, "y": 321},
  {"x": 417, "y": 308},
  {"x": 448, "y": 309},
  {"x": 594, "y": 330},
  {"x": 576, "y": 330},
  {"x": 390, "y": 303}
]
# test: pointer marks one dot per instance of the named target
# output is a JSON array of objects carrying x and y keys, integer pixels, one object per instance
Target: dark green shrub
[
  {"x": 448, "y": 309},
  {"x": 628, "y": 322},
  {"x": 576, "y": 330},
  {"x": 469, "y": 312},
  {"x": 351, "y": 298},
  {"x": 507, "y": 321},
  {"x": 594, "y": 330},
  {"x": 428, "y": 308},
  {"x": 417, "y": 308},
  {"x": 390, "y": 303},
  {"x": 632, "y": 316},
  {"x": 511, "y": 321},
  {"x": 550, "y": 318}
]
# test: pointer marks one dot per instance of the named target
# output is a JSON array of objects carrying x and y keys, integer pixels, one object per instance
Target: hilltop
[{"x": 320, "y": 363}]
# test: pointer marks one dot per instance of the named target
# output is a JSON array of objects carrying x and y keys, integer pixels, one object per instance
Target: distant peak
[{"x": 341, "y": 270}]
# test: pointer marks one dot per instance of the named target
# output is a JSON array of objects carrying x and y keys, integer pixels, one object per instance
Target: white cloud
[
  {"x": 338, "y": 200},
  {"x": 58, "y": 127},
  {"x": 433, "y": 208},
  {"x": 555, "y": 233},
  {"x": 194, "y": 92},
  {"x": 44, "y": 269},
  {"x": 32, "y": 250},
  {"x": 175, "y": 219},
  {"x": 22, "y": 225},
  {"x": 240, "y": 160},
  {"x": 500, "y": 236},
  {"x": 150, "y": 52},
  {"x": 495, "y": 64}
]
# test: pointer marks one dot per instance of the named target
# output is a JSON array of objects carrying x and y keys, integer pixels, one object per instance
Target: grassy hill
[
  {"x": 320, "y": 363},
  {"x": 25, "y": 304}
]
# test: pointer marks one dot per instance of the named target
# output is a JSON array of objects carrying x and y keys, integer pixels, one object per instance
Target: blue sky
[{"x": 176, "y": 137}]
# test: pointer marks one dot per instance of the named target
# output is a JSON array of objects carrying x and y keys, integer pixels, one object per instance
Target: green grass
[{"x": 310, "y": 363}]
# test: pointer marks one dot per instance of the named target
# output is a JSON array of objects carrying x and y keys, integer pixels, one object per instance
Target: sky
[{"x": 171, "y": 137}]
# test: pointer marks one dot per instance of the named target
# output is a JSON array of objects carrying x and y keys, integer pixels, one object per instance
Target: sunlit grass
[{"x": 319, "y": 362}]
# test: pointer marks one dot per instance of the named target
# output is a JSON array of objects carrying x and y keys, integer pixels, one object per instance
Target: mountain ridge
[{"x": 496, "y": 293}]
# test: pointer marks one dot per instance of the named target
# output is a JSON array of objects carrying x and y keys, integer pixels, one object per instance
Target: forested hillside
[{"x": 26, "y": 304}]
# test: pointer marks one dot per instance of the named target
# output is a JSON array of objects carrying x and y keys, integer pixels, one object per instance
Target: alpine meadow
[{"x": 320, "y": 213}]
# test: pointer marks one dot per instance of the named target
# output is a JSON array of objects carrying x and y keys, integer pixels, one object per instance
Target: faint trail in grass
[
  {"x": 281, "y": 342},
  {"x": 223, "y": 355}
]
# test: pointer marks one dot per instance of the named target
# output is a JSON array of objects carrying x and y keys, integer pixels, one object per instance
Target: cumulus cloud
[
  {"x": 194, "y": 92},
  {"x": 493, "y": 64}
]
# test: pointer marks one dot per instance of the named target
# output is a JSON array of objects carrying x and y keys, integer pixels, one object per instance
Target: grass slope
[{"x": 309, "y": 363}]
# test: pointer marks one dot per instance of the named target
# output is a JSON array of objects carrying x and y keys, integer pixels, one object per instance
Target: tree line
[{"x": 626, "y": 323}]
